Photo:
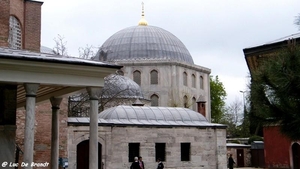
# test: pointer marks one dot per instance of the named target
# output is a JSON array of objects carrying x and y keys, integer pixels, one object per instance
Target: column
[
  {"x": 93, "y": 154},
  {"x": 55, "y": 102},
  {"x": 31, "y": 90}
]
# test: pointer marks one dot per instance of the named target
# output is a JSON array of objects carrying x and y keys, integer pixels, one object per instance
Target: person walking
[
  {"x": 230, "y": 162},
  {"x": 135, "y": 164},
  {"x": 160, "y": 165},
  {"x": 141, "y": 162}
]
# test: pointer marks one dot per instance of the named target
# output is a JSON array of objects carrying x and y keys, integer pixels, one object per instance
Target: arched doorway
[
  {"x": 82, "y": 156},
  {"x": 296, "y": 155}
]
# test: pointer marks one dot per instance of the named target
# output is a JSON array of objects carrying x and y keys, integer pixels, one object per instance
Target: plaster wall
[{"x": 170, "y": 88}]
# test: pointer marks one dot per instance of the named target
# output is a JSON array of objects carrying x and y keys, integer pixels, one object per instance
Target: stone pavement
[{"x": 247, "y": 168}]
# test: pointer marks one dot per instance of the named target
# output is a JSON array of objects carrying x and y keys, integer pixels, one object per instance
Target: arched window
[
  {"x": 185, "y": 102},
  {"x": 193, "y": 80},
  {"x": 154, "y": 77},
  {"x": 194, "y": 104},
  {"x": 185, "y": 78},
  {"x": 137, "y": 77},
  {"x": 15, "y": 33},
  {"x": 201, "y": 82},
  {"x": 154, "y": 100}
]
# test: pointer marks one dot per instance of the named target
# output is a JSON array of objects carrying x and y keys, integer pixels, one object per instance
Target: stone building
[
  {"x": 182, "y": 137},
  {"x": 161, "y": 64},
  {"x": 166, "y": 74}
]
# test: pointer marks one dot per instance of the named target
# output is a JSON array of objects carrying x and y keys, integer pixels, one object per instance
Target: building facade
[
  {"x": 161, "y": 64},
  {"x": 20, "y": 24},
  {"x": 166, "y": 74},
  {"x": 181, "y": 137},
  {"x": 280, "y": 151}
]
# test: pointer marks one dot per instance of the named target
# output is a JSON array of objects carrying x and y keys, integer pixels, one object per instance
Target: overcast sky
[{"x": 214, "y": 31}]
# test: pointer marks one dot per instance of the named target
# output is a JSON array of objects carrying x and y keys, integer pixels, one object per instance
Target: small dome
[
  {"x": 140, "y": 115},
  {"x": 44, "y": 49},
  {"x": 117, "y": 86},
  {"x": 142, "y": 42}
]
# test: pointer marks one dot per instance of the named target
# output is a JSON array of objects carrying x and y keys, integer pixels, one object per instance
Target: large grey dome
[
  {"x": 144, "y": 43},
  {"x": 117, "y": 86}
]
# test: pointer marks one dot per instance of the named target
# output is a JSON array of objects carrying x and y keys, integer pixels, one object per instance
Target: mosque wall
[
  {"x": 170, "y": 88},
  {"x": 207, "y": 151}
]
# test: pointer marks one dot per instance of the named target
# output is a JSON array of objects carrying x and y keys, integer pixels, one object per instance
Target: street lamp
[
  {"x": 243, "y": 98},
  {"x": 243, "y": 102}
]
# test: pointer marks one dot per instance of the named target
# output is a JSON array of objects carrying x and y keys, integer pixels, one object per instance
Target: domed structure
[
  {"x": 161, "y": 65},
  {"x": 144, "y": 42},
  {"x": 117, "y": 86},
  {"x": 172, "y": 116}
]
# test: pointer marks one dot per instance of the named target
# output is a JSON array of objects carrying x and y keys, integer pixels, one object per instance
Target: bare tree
[
  {"x": 60, "y": 46},
  {"x": 233, "y": 118},
  {"x": 87, "y": 52},
  {"x": 116, "y": 91},
  {"x": 234, "y": 112},
  {"x": 297, "y": 21}
]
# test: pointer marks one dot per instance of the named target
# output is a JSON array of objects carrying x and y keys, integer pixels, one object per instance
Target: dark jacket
[
  {"x": 230, "y": 162},
  {"x": 160, "y": 165},
  {"x": 135, "y": 165},
  {"x": 142, "y": 164}
]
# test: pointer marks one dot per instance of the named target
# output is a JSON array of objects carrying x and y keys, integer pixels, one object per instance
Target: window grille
[{"x": 15, "y": 33}]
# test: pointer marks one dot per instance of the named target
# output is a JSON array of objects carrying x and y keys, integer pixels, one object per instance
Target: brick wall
[
  {"x": 32, "y": 36},
  {"x": 17, "y": 10},
  {"x": 42, "y": 144},
  {"x": 4, "y": 22},
  {"x": 28, "y": 14}
]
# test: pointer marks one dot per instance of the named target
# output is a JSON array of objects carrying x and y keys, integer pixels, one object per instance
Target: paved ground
[{"x": 248, "y": 168}]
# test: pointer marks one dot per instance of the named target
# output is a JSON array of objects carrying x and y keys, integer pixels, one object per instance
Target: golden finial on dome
[{"x": 143, "y": 21}]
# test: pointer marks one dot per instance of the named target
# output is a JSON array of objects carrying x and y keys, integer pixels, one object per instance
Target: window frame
[
  {"x": 185, "y": 149},
  {"x": 193, "y": 80},
  {"x": 133, "y": 151},
  {"x": 160, "y": 151},
  {"x": 154, "y": 77},
  {"x": 154, "y": 95},
  {"x": 185, "y": 77},
  {"x": 201, "y": 82},
  {"x": 137, "y": 78}
]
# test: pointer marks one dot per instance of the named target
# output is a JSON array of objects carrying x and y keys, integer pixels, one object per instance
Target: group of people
[{"x": 139, "y": 164}]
